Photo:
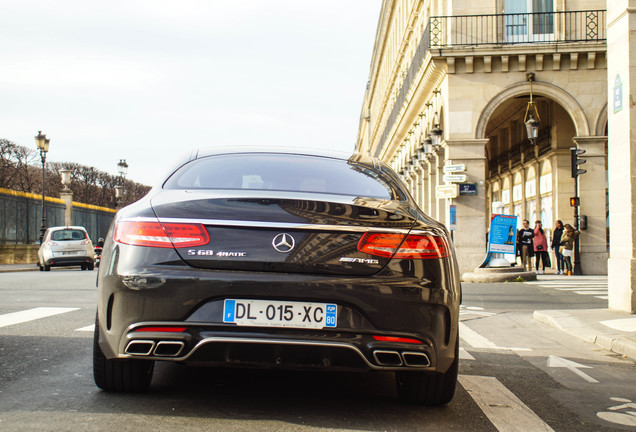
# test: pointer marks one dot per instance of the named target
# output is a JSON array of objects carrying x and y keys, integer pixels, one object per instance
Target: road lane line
[
  {"x": 478, "y": 341},
  {"x": 465, "y": 355},
  {"x": 505, "y": 411},
  {"x": 89, "y": 328},
  {"x": 31, "y": 314}
]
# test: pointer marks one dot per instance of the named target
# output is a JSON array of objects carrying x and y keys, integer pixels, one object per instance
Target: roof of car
[{"x": 211, "y": 151}]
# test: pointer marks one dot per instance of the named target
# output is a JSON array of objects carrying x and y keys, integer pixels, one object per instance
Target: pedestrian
[
  {"x": 525, "y": 244},
  {"x": 567, "y": 245},
  {"x": 556, "y": 245},
  {"x": 540, "y": 247}
]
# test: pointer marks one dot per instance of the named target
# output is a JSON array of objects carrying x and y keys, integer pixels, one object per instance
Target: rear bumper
[
  {"x": 68, "y": 261},
  {"x": 367, "y": 306}
]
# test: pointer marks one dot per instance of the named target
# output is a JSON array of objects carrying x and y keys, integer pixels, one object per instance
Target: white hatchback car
[{"x": 66, "y": 246}]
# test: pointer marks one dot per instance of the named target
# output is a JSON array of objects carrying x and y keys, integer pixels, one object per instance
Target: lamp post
[
  {"x": 122, "y": 170},
  {"x": 42, "y": 143}
]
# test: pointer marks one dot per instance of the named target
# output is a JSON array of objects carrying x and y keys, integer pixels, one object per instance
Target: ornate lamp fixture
[{"x": 532, "y": 123}]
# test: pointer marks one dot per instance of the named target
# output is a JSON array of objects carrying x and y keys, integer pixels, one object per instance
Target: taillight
[
  {"x": 413, "y": 247},
  {"x": 155, "y": 234}
]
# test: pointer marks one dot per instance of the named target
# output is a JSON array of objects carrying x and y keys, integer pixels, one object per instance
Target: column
[
  {"x": 432, "y": 184},
  {"x": 67, "y": 197},
  {"x": 593, "y": 240},
  {"x": 473, "y": 216},
  {"x": 440, "y": 204},
  {"x": 621, "y": 82}
]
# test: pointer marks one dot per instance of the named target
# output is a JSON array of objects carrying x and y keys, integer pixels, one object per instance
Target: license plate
[{"x": 268, "y": 313}]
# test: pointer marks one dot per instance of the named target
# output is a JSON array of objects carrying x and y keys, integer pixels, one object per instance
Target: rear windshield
[
  {"x": 68, "y": 234},
  {"x": 282, "y": 172}
]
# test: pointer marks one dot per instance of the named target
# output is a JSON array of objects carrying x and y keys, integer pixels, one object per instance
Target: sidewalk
[
  {"x": 609, "y": 329},
  {"x": 4, "y": 268}
]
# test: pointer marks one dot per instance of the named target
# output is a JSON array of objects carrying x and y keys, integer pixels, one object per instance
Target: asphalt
[{"x": 610, "y": 329}]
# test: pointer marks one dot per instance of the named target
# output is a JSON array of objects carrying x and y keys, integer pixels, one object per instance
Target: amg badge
[{"x": 359, "y": 260}]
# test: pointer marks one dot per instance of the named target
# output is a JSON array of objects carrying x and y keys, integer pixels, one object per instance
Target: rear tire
[
  {"x": 47, "y": 268},
  {"x": 91, "y": 266},
  {"x": 119, "y": 375},
  {"x": 83, "y": 267},
  {"x": 428, "y": 388}
]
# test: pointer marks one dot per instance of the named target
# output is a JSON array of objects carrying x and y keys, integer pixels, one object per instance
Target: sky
[{"x": 148, "y": 81}]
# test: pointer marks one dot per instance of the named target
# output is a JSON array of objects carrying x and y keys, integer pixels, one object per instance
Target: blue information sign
[{"x": 503, "y": 234}]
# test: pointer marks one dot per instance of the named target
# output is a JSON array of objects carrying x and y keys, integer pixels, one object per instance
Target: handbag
[
  {"x": 567, "y": 252},
  {"x": 540, "y": 247}
]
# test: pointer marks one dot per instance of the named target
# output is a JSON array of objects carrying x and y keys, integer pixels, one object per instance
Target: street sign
[
  {"x": 454, "y": 168},
  {"x": 451, "y": 178},
  {"x": 446, "y": 191},
  {"x": 452, "y": 212},
  {"x": 468, "y": 189}
]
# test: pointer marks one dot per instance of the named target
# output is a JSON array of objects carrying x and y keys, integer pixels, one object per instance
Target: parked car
[
  {"x": 279, "y": 259},
  {"x": 66, "y": 246}
]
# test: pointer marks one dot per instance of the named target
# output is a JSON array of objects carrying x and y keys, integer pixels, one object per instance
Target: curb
[{"x": 564, "y": 321}]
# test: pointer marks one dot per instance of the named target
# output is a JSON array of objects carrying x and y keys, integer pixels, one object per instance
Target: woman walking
[
  {"x": 556, "y": 245},
  {"x": 540, "y": 247},
  {"x": 567, "y": 244}
]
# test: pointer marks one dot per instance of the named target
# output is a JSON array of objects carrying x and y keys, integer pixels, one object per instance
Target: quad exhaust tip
[
  {"x": 140, "y": 347},
  {"x": 159, "y": 349},
  {"x": 168, "y": 348},
  {"x": 416, "y": 359},
  {"x": 406, "y": 358}
]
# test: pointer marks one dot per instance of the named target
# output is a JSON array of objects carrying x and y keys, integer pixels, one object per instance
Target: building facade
[{"x": 451, "y": 86}]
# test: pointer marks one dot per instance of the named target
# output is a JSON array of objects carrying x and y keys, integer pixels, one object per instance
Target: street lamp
[
  {"x": 122, "y": 170},
  {"x": 532, "y": 124},
  {"x": 42, "y": 143}
]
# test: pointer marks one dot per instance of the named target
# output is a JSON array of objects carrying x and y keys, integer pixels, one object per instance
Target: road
[{"x": 515, "y": 373}]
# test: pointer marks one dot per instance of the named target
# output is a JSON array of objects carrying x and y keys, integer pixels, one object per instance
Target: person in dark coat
[
  {"x": 526, "y": 246},
  {"x": 556, "y": 246}
]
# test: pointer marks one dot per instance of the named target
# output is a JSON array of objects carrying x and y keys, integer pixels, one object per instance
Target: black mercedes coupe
[{"x": 279, "y": 258}]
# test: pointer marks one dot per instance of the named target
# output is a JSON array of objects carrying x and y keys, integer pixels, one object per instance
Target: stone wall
[{"x": 18, "y": 254}]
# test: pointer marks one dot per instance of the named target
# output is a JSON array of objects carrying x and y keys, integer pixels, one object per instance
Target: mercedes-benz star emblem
[{"x": 283, "y": 242}]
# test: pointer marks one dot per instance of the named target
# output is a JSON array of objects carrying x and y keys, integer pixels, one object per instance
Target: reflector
[
  {"x": 396, "y": 339},
  {"x": 162, "y": 329}
]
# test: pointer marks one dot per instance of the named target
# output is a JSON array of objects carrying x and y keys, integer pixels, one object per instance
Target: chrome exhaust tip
[
  {"x": 387, "y": 358},
  {"x": 168, "y": 348},
  {"x": 416, "y": 359},
  {"x": 139, "y": 347}
]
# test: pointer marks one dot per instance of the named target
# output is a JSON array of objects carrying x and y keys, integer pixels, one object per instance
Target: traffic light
[
  {"x": 575, "y": 201},
  {"x": 583, "y": 224},
  {"x": 574, "y": 155}
]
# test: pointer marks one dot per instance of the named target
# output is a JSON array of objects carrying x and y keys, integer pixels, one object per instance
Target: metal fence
[
  {"x": 21, "y": 218},
  {"x": 502, "y": 29}
]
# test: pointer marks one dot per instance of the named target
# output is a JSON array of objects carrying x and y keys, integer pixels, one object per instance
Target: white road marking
[
  {"x": 31, "y": 314},
  {"x": 478, "y": 341},
  {"x": 505, "y": 411},
  {"x": 602, "y": 297},
  {"x": 465, "y": 355},
  {"x": 554, "y": 361},
  {"x": 582, "y": 289},
  {"x": 591, "y": 292},
  {"x": 89, "y": 328}
]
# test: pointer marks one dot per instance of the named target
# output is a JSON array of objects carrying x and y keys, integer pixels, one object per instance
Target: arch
[
  {"x": 551, "y": 91},
  {"x": 546, "y": 167},
  {"x": 601, "y": 122}
]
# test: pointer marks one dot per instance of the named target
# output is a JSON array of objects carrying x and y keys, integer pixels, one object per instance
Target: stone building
[{"x": 453, "y": 83}]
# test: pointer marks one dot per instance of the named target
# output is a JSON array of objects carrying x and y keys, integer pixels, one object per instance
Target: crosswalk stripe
[
  {"x": 504, "y": 410},
  {"x": 476, "y": 340},
  {"x": 89, "y": 328},
  {"x": 591, "y": 292},
  {"x": 31, "y": 314}
]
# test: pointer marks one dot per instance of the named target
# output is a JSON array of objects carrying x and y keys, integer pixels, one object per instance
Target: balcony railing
[
  {"x": 496, "y": 29},
  {"x": 503, "y": 29}
]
